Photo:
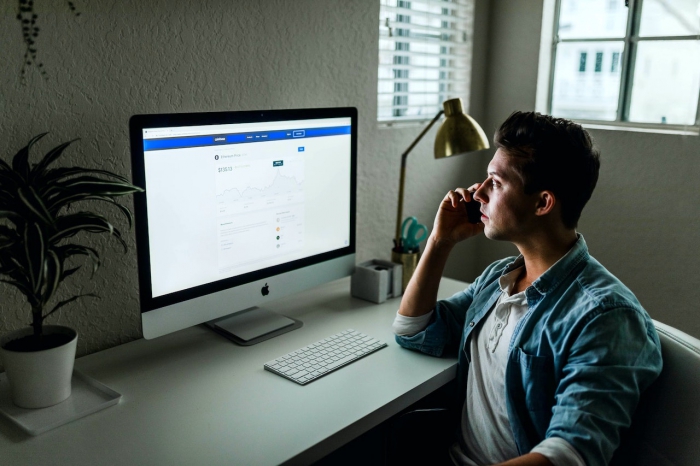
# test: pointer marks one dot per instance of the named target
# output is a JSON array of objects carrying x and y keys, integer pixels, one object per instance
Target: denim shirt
[{"x": 578, "y": 360}]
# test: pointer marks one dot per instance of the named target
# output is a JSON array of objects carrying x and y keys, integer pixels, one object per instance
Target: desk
[{"x": 193, "y": 397}]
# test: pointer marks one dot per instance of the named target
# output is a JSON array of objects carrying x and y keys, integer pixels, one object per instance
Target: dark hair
[{"x": 554, "y": 154}]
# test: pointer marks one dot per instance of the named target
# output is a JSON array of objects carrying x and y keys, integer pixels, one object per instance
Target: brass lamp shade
[{"x": 459, "y": 132}]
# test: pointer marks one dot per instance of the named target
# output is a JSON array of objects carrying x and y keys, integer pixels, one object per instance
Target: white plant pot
[{"x": 40, "y": 378}]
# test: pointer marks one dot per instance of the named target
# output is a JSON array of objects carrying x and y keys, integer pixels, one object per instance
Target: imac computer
[{"x": 239, "y": 209}]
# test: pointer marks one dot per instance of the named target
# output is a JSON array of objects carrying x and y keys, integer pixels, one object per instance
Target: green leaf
[
  {"x": 8, "y": 196},
  {"x": 80, "y": 221},
  {"x": 18, "y": 264},
  {"x": 9, "y": 180},
  {"x": 49, "y": 158},
  {"x": 70, "y": 250},
  {"x": 69, "y": 225},
  {"x": 8, "y": 232},
  {"x": 20, "y": 286},
  {"x": 68, "y": 195},
  {"x": 54, "y": 175},
  {"x": 34, "y": 203},
  {"x": 9, "y": 268},
  {"x": 53, "y": 272},
  {"x": 34, "y": 249},
  {"x": 68, "y": 272},
  {"x": 4, "y": 167},
  {"x": 20, "y": 162},
  {"x": 76, "y": 180},
  {"x": 8, "y": 214},
  {"x": 125, "y": 210},
  {"x": 68, "y": 301},
  {"x": 13, "y": 255},
  {"x": 6, "y": 242},
  {"x": 99, "y": 187},
  {"x": 118, "y": 236}
]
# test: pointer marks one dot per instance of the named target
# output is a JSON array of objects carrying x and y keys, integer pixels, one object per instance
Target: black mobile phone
[{"x": 473, "y": 209}]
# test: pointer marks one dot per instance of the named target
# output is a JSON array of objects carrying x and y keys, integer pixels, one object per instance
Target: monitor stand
[{"x": 252, "y": 326}]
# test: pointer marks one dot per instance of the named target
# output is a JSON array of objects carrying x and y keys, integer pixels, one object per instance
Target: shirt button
[
  {"x": 500, "y": 325},
  {"x": 471, "y": 324}
]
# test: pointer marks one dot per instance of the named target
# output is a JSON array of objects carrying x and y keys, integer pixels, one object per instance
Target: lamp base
[{"x": 409, "y": 261}]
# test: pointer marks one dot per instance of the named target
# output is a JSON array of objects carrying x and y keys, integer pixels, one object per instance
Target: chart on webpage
[{"x": 260, "y": 211}]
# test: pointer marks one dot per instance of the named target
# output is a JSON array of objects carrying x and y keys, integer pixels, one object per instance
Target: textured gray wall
[
  {"x": 125, "y": 57},
  {"x": 643, "y": 221}
]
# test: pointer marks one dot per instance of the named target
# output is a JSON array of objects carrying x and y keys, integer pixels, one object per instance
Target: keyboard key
[{"x": 340, "y": 362}]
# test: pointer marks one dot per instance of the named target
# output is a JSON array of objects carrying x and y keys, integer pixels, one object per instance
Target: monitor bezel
[{"x": 138, "y": 123}]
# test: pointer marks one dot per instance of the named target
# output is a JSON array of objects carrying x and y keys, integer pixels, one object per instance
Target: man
[{"x": 553, "y": 350}]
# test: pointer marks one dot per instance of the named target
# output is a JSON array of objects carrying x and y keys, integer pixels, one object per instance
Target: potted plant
[{"x": 40, "y": 214}]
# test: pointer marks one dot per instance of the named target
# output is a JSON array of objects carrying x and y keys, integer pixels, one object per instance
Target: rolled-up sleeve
[
  {"x": 613, "y": 359},
  {"x": 559, "y": 452},
  {"x": 444, "y": 331}
]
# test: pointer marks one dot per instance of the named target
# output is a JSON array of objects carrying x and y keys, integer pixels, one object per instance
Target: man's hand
[
  {"x": 451, "y": 223},
  {"x": 451, "y": 226}
]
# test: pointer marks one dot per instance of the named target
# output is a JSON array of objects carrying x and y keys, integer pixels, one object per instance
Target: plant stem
[{"x": 37, "y": 312}]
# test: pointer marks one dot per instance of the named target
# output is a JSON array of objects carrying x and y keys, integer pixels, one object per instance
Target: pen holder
[
  {"x": 409, "y": 261},
  {"x": 376, "y": 280}
]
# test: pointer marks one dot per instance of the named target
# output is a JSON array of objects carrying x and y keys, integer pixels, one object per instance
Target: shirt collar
[
  {"x": 506, "y": 283},
  {"x": 557, "y": 272}
]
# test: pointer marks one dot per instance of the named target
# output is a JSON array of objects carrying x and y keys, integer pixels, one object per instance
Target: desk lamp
[{"x": 458, "y": 134}]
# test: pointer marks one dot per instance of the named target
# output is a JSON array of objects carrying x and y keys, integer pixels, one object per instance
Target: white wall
[
  {"x": 643, "y": 221},
  {"x": 123, "y": 57}
]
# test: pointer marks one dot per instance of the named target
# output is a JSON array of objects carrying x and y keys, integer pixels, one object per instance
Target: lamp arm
[{"x": 399, "y": 212}]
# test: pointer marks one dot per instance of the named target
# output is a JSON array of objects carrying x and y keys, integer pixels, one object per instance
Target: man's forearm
[{"x": 421, "y": 292}]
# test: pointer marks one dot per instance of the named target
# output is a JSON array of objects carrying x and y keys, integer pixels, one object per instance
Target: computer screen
[{"x": 240, "y": 208}]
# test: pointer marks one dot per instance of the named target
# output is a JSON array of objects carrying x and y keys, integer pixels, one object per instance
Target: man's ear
[{"x": 546, "y": 202}]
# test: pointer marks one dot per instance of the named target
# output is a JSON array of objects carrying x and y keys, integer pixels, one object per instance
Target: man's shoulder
[
  {"x": 593, "y": 297},
  {"x": 603, "y": 288}
]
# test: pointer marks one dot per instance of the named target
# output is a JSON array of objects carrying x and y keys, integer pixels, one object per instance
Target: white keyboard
[{"x": 318, "y": 359}]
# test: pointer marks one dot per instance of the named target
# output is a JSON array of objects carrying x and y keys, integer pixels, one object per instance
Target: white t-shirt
[{"x": 486, "y": 433}]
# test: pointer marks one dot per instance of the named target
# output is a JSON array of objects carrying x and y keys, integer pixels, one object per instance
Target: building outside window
[
  {"x": 646, "y": 61},
  {"x": 425, "y": 49}
]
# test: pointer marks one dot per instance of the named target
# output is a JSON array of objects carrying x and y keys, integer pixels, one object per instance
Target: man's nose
[{"x": 480, "y": 193}]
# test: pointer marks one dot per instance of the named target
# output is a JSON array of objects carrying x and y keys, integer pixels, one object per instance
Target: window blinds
[{"x": 425, "y": 49}]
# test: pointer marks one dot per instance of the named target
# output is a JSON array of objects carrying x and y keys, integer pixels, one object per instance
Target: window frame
[{"x": 627, "y": 66}]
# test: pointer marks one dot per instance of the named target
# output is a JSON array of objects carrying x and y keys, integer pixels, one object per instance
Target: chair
[{"x": 666, "y": 428}]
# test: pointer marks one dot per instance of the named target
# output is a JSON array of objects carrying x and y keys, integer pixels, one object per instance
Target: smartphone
[{"x": 473, "y": 209}]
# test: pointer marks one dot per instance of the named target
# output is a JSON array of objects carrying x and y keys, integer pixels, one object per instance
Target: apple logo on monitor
[{"x": 265, "y": 290}]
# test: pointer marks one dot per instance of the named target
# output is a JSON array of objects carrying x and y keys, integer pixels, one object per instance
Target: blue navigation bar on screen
[{"x": 242, "y": 138}]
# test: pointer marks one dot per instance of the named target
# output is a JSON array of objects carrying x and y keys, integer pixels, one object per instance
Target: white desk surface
[{"x": 193, "y": 397}]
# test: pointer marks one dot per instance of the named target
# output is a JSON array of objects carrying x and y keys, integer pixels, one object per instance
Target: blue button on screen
[{"x": 301, "y": 149}]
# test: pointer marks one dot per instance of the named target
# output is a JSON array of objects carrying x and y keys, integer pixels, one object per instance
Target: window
[
  {"x": 644, "y": 61},
  {"x": 425, "y": 51},
  {"x": 615, "y": 66},
  {"x": 599, "y": 62}
]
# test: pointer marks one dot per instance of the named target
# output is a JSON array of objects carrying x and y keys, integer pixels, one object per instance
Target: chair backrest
[{"x": 668, "y": 425}]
